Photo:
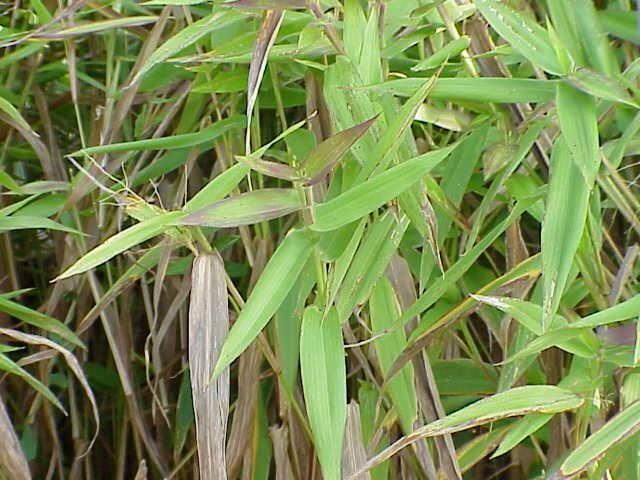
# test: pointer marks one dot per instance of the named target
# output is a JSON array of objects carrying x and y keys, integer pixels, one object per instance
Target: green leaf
[
  {"x": 565, "y": 334},
  {"x": 22, "y": 52},
  {"x": 496, "y": 90},
  {"x": 142, "y": 265},
  {"x": 564, "y": 220},
  {"x": 394, "y": 134},
  {"x": 621, "y": 23},
  {"x": 97, "y": 27},
  {"x": 592, "y": 37},
  {"x": 579, "y": 126},
  {"x": 40, "y": 320},
  {"x": 620, "y": 427},
  {"x": 288, "y": 322},
  {"x": 185, "y": 37},
  {"x": 451, "y": 49},
  {"x": 385, "y": 311},
  {"x": 463, "y": 376},
  {"x": 514, "y": 402},
  {"x": 185, "y": 415},
  {"x": 370, "y": 261},
  {"x": 526, "y": 36},
  {"x": 522, "y": 429},
  {"x": 271, "y": 289},
  {"x": 528, "y": 269},
  {"x": 525, "y": 142},
  {"x": 13, "y": 112},
  {"x": 342, "y": 263},
  {"x": 324, "y": 383},
  {"x": 8, "y": 365},
  {"x": 247, "y": 208},
  {"x": 225, "y": 82},
  {"x": 21, "y": 222},
  {"x": 618, "y": 313},
  {"x": 218, "y": 188},
  {"x": 8, "y": 182},
  {"x": 167, "y": 143},
  {"x": 122, "y": 241},
  {"x": 529, "y": 315},
  {"x": 600, "y": 86},
  {"x": 455, "y": 272},
  {"x": 370, "y": 195}
]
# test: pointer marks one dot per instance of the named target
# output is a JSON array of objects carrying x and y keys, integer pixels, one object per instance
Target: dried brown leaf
[
  {"x": 208, "y": 327},
  {"x": 354, "y": 455},
  {"x": 12, "y": 460},
  {"x": 266, "y": 38},
  {"x": 73, "y": 364}
]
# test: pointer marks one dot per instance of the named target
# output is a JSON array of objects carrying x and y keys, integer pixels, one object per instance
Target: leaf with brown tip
[
  {"x": 325, "y": 156},
  {"x": 271, "y": 169}
]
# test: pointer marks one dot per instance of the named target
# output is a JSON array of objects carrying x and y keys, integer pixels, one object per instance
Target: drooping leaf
[
  {"x": 515, "y": 402},
  {"x": 9, "y": 366},
  {"x": 21, "y": 222},
  {"x": 72, "y": 363},
  {"x": 39, "y": 319},
  {"x": 13, "y": 112},
  {"x": 122, "y": 241}
]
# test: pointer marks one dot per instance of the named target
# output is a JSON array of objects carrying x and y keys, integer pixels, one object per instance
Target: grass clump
[{"x": 298, "y": 240}]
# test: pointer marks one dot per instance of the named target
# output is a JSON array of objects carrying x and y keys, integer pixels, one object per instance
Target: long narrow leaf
[
  {"x": 325, "y": 386},
  {"x": 268, "y": 294}
]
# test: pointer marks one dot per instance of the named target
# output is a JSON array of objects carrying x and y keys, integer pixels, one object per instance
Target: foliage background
[{"x": 419, "y": 218}]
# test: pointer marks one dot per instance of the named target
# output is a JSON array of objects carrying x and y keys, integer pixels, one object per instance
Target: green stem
[{"x": 201, "y": 239}]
